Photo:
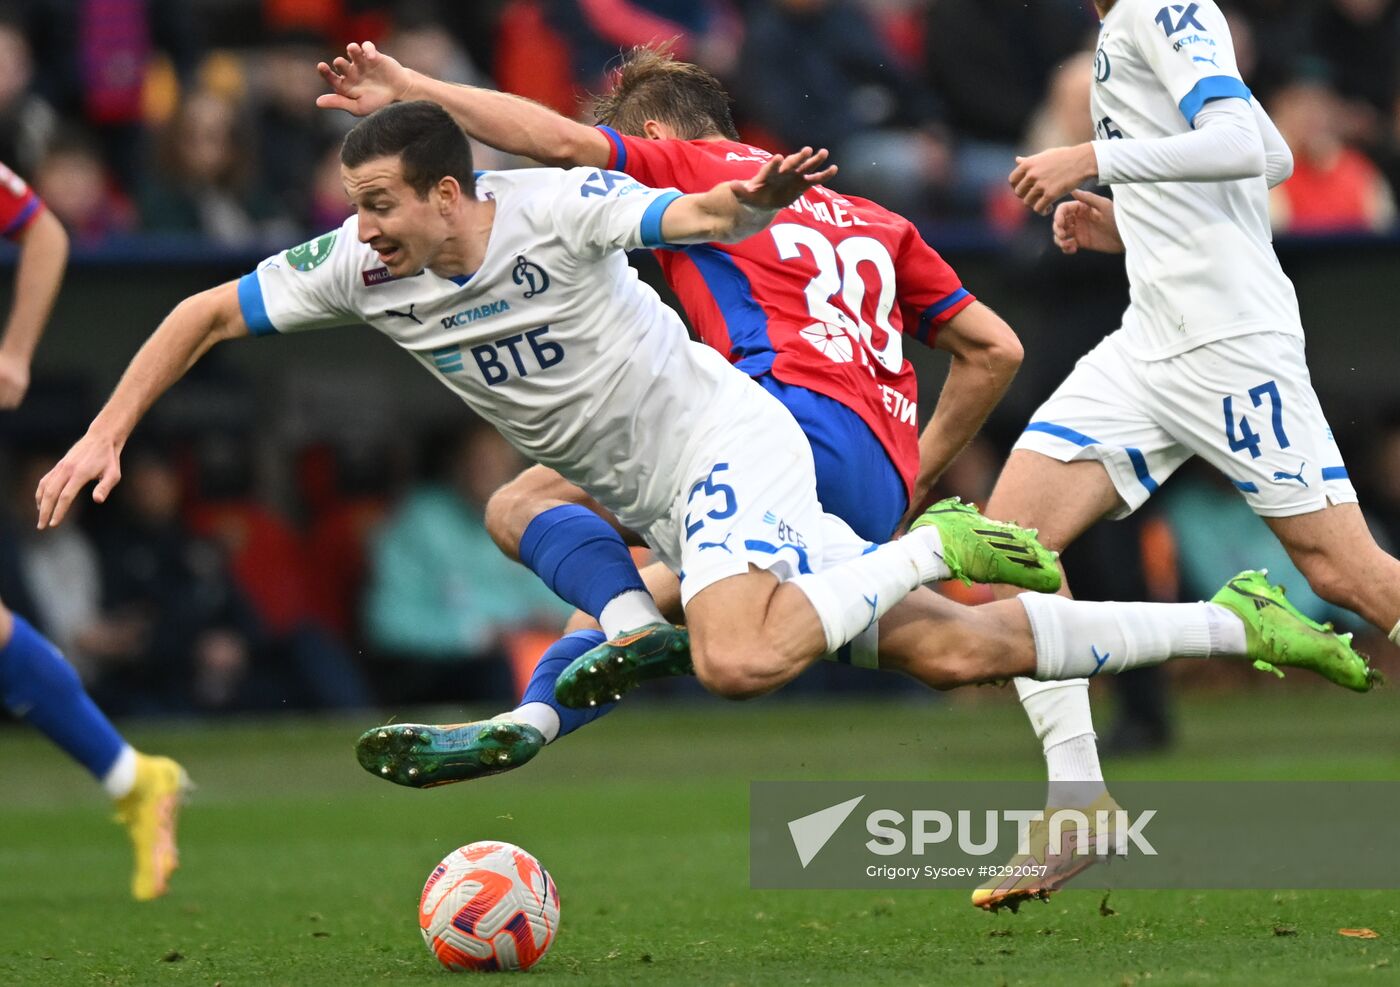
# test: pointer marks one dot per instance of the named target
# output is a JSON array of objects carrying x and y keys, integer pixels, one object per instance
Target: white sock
[
  {"x": 1075, "y": 763},
  {"x": 628, "y": 611},
  {"x": 1060, "y": 715},
  {"x": 1078, "y": 638},
  {"x": 1226, "y": 632},
  {"x": 121, "y": 776},
  {"x": 926, "y": 548},
  {"x": 542, "y": 716},
  {"x": 1395, "y": 633},
  {"x": 851, "y": 596}
]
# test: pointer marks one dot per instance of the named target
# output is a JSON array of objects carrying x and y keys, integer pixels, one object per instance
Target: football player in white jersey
[
  {"x": 514, "y": 291},
  {"x": 1209, "y": 360}
]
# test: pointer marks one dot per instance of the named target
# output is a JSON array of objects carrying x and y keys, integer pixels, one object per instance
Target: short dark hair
[
  {"x": 650, "y": 84},
  {"x": 422, "y": 135}
]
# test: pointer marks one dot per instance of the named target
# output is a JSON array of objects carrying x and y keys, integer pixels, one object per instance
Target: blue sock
[
  {"x": 38, "y": 685},
  {"x": 558, "y": 657},
  {"x": 580, "y": 557}
]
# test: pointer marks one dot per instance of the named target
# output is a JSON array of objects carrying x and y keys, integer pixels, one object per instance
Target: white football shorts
[
  {"x": 1245, "y": 405},
  {"x": 750, "y": 499}
]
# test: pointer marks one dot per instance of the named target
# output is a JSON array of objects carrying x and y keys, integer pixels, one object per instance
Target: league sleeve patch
[{"x": 313, "y": 253}]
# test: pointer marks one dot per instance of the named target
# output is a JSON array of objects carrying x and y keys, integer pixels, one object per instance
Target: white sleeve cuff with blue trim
[
  {"x": 1225, "y": 146},
  {"x": 1211, "y": 88},
  {"x": 250, "y": 301},
  {"x": 651, "y": 219}
]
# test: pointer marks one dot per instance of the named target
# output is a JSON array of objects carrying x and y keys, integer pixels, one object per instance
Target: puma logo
[
  {"x": 1280, "y": 475},
  {"x": 717, "y": 544},
  {"x": 405, "y": 315}
]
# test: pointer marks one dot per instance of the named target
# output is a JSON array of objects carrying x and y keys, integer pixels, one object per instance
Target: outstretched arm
[
  {"x": 185, "y": 335},
  {"x": 735, "y": 210},
  {"x": 365, "y": 79},
  {"x": 43, "y": 257}
]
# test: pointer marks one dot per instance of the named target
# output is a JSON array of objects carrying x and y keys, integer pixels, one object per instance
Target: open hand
[
  {"x": 1087, "y": 223},
  {"x": 364, "y": 80},
  {"x": 783, "y": 179},
  {"x": 91, "y": 458}
]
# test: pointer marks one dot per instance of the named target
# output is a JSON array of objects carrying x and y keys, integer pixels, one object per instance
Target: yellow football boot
[
  {"x": 150, "y": 812},
  {"x": 1043, "y": 869}
]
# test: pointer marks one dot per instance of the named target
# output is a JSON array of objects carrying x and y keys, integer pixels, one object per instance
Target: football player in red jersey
[{"x": 37, "y": 684}]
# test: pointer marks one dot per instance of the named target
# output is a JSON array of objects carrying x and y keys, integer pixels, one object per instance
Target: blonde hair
[{"x": 651, "y": 84}]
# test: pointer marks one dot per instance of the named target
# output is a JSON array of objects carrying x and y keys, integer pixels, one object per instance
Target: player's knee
[
  {"x": 733, "y": 672},
  {"x": 508, "y": 512},
  {"x": 731, "y": 683},
  {"x": 496, "y": 510}
]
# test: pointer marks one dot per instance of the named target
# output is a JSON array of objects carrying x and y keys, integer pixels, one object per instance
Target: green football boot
[
  {"x": 1277, "y": 634},
  {"x": 615, "y": 667},
  {"x": 422, "y": 755},
  {"x": 980, "y": 550}
]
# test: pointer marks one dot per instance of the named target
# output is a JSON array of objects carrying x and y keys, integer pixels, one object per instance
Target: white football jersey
[
  {"x": 1200, "y": 257},
  {"x": 554, "y": 340}
]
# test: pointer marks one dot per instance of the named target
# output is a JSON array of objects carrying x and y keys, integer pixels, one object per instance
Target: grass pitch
[{"x": 301, "y": 869}]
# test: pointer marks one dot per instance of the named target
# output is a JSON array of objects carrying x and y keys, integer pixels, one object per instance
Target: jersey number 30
[{"x": 842, "y": 334}]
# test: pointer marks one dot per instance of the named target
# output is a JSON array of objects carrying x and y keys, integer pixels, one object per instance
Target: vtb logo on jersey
[
  {"x": 529, "y": 273},
  {"x": 1185, "y": 17}
]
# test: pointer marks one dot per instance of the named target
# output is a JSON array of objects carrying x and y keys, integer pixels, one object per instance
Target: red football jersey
[
  {"x": 823, "y": 298},
  {"x": 18, "y": 204}
]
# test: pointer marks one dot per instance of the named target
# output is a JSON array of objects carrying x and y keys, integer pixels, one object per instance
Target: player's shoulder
[
  {"x": 727, "y": 156},
  {"x": 337, "y": 249},
  {"x": 705, "y": 159},
  {"x": 1125, "y": 10},
  {"x": 1166, "y": 19},
  {"x": 538, "y": 190},
  {"x": 872, "y": 210},
  {"x": 837, "y": 215},
  {"x": 334, "y": 261},
  {"x": 519, "y": 180}
]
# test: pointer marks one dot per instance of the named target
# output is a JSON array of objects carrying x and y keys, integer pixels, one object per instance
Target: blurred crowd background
[
  {"x": 303, "y": 529},
  {"x": 198, "y": 116}
]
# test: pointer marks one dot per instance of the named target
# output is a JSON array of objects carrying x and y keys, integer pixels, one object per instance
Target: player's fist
[
  {"x": 1086, "y": 223},
  {"x": 14, "y": 380},
  {"x": 364, "y": 80},
  {"x": 1043, "y": 179}
]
